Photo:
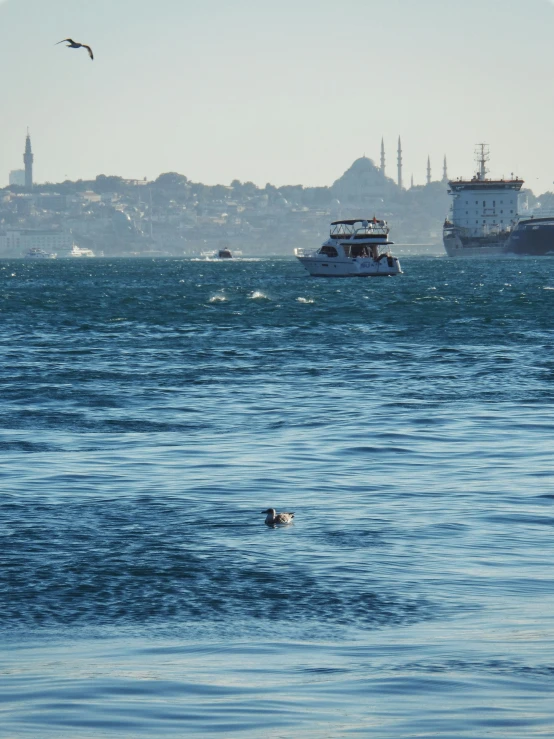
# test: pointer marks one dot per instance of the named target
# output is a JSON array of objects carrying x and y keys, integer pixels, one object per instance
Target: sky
[{"x": 286, "y": 92}]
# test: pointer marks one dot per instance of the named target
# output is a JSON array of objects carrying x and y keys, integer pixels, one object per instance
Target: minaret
[
  {"x": 383, "y": 157},
  {"x": 444, "y": 171},
  {"x": 412, "y": 182},
  {"x": 428, "y": 170},
  {"x": 399, "y": 163},
  {"x": 28, "y": 161}
]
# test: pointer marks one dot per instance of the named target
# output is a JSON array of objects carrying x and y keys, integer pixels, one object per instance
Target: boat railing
[
  {"x": 367, "y": 229},
  {"x": 547, "y": 212}
]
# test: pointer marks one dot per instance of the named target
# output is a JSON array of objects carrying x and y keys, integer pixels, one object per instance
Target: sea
[{"x": 151, "y": 409}]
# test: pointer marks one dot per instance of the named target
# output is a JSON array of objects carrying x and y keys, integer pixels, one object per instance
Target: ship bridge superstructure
[{"x": 481, "y": 206}]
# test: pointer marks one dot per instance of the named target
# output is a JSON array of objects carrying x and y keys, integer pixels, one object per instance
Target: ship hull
[
  {"x": 533, "y": 237},
  {"x": 456, "y": 246}
]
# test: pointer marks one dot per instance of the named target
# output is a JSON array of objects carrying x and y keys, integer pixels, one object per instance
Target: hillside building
[{"x": 17, "y": 177}]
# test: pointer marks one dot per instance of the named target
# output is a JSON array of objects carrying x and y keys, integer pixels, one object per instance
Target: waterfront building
[
  {"x": 17, "y": 177},
  {"x": 16, "y": 242}
]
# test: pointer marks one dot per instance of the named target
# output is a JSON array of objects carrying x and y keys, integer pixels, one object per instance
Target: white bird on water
[{"x": 273, "y": 518}]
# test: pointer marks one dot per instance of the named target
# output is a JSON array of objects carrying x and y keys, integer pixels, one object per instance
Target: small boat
[
  {"x": 35, "y": 253},
  {"x": 355, "y": 248}
]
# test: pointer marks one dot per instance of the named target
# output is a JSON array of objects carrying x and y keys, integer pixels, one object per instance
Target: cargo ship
[{"x": 484, "y": 213}]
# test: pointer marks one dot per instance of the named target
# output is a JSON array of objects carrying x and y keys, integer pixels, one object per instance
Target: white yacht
[
  {"x": 78, "y": 251},
  {"x": 355, "y": 248}
]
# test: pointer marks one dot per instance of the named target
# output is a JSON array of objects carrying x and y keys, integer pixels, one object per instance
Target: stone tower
[{"x": 28, "y": 161}]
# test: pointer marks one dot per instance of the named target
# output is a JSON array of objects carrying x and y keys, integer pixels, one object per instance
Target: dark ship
[{"x": 532, "y": 236}]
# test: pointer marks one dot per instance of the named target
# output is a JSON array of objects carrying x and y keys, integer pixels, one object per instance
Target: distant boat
[
  {"x": 36, "y": 253},
  {"x": 78, "y": 251},
  {"x": 217, "y": 254}
]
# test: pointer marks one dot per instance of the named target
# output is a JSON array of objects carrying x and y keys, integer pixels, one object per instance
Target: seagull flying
[
  {"x": 76, "y": 45},
  {"x": 273, "y": 518}
]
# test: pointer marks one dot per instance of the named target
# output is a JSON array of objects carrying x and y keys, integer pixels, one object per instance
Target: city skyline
[
  {"x": 261, "y": 95},
  {"x": 28, "y": 182}
]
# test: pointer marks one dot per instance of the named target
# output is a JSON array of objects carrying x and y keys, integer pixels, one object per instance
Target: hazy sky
[{"x": 288, "y": 91}]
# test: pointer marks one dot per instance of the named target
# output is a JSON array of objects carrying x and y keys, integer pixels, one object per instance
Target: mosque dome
[{"x": 363, "y": 181}]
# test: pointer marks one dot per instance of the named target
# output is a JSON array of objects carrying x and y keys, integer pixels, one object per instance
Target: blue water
[{"x": 150, "y": 409}]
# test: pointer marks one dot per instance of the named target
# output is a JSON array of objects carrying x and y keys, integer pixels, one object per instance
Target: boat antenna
[{"x": 482, "y": 156}]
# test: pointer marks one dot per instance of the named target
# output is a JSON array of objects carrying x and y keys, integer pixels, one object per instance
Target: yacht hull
[{"x": 387, "y": 267}]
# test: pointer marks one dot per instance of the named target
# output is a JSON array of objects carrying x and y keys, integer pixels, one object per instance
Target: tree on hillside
[
  {"x": 292, "y": 193},
  {"x": 170, "y": 180},
  {"x": 219, "y": 192},
  {"x": 112, "y": 183}
]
